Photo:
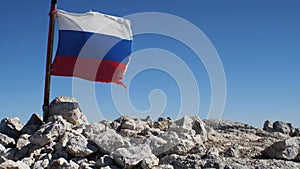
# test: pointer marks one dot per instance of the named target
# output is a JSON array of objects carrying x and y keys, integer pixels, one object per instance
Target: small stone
[
  {"x": 6, "y": 141},
  {"x": 231, "y": 152},
  {"x": 268, "y": 126},
  {"x": 104, "y": 161},
  {"x": 163, "y": 166},
  {"x": 108, "y": 141},
  {"x": 128, "y": 124},
  {"x": 150, "y": 162},
  {"x": 9, "y": 164},
  {"x": 23, "y": 141},
  {"x": 77, "y": 146},
  {"x": 127, "y": 132},
  {"x": 55, "y": 164},
  {"x": 11, "y": 127},
  {"x": 129, "y": 157},
  {"x": 282, "y": 127},
  {"x": 28, "y": 161}
]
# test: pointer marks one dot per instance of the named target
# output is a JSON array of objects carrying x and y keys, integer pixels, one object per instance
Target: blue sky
[{"x": 258, "y": 43}]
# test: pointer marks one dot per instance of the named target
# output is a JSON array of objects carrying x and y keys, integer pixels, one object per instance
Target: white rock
[
  {"x": 163, "y": 166},
  {"x": 5, "y": 140},
  {"x": 129, "y": 157},
  {"x": 50, "y": 131},
  {"x": 2, "y": 149},
  {"x": 11, "y": 127},
  {"x": 156, "y": 144},
  {"x": 77, "y": 146},
  {"x": 9, "y": 164},
  {"x": 69, "y": 109},
  {"x": 28, "y": 161},
  {"x": 192, "y": 123},
  {"x": 23, "y": 141},
  {"x": 150, "y": 162},
  {"x": 287, "y": 149},
  {"x": 108, "y": 141},
  {"x": 94, "y": 129}
]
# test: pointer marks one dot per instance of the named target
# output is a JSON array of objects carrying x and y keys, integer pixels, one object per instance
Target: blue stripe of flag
[{"x": 71, "y": 43}]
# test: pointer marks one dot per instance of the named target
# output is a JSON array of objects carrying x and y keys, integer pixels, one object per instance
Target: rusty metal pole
[{"x": 49, "y": 60}]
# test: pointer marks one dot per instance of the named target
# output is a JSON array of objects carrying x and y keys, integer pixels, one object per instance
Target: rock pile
[{"x": 68, "y": 140}]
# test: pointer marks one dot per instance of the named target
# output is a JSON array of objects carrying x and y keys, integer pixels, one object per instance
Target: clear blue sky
[{"x": 258, "y": 43}]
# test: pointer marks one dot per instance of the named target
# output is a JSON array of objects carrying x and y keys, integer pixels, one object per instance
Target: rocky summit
[{"x": 68, "y": 140}]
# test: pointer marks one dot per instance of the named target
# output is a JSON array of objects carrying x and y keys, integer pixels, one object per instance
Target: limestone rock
[
  {"x": 2, "y": 150},
  {"x": 78, "y": 146},
  {"x": 163, "y": 166},
  {"x": 149, "y": 162},
  {"x": 62, "y": 163},
  {"x": 28, "y": 161},
  {"x": 94, "y": 129},
  {"x": 226, "y": 125},
  {"x": 268, "y": 126},
  {"x": 129, "y": 157},
  {"x": 192, "y": 123},
  {"x": 40, "y": 164},
  {"x": 108, "y": 141},
  {"x": 32, "y": 125},
  {"x": 163, "y": 123},
  {"x": 130, "y": 142},
  {"x": 23, "y": 141},
  {"x": 287, "y": 149},
  {"x": 50, "y": 131},
  {"x": 69, "y": 109},
  {"x": 6, "y": 141},
  {"x": 9, "y": 164},
  {"x": 11, "y": 127},
  {"x": 280, "y": 126}
]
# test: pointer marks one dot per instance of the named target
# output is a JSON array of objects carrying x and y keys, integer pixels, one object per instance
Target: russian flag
[{"x": 92, "y": 46}]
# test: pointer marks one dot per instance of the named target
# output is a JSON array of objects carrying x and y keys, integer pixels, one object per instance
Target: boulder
[
  {"x": 69, "y": 109},
  {"x": 268, "y": 126},
  {"x": 280, "y": 126},
  {"x": 108, "y": 141},
  {"x": 11, "y": 127},
  {"x": 50, "y": 131},
  {"x": 77, "y": 146},
  {"x": 6, "y": 141},
  {"x": 131, "y": 156},
  {"x": 32, "y": 125},
  {"x": 94, "y": 129},
  {"x": 192, "y": 123},
  {"x": 287, "y": 149}
]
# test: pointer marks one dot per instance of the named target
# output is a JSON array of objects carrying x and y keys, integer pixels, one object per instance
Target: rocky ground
[{"x": 67, "y": 140}]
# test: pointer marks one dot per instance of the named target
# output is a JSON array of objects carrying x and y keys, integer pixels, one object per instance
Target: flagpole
[{"x": 49, "y": 60}]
